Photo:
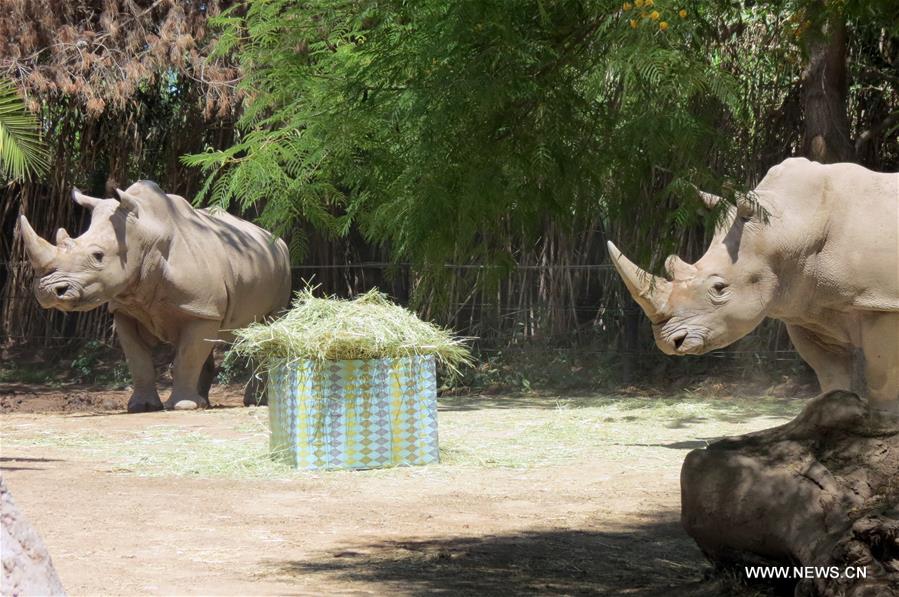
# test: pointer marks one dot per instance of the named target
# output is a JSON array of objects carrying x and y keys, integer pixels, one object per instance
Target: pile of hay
[{"x": 368, "y": 327}]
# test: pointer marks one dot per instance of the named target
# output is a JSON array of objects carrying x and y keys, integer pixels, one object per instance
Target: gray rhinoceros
[
  {"x": 169, "y": 273},
  {"x": 822, "y": 255}
]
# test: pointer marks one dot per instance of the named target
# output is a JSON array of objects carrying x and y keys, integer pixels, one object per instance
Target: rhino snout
[
  {"x": 679, "y": 339},
  {"x": 59, "y": 294},
  {"x": 691, "y": 344}
]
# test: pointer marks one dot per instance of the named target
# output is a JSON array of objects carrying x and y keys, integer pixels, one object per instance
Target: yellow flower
[
  {"x": 683, "y": 13},
  {"x": 663, "y": 26},
  {"x": 626, "y": 6},
  {"x": 633, "y": 23},
  {"x": 654, "y": 15},
  {"x": 638, "y": 3},
  {"x": 648, "y": 3}
]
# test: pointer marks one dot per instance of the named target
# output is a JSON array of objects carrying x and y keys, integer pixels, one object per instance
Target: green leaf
[{"x": 22, "y": 153}]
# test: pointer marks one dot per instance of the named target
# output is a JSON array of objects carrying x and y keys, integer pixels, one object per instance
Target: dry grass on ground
[{"x": 570, "y": 495}]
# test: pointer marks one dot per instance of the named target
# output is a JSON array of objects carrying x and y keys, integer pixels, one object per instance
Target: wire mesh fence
[{"x": 516, "y": 308}]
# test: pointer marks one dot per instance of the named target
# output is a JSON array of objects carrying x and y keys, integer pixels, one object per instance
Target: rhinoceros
[
  {"x": 169, "y": 273},
  {"x": 815, "y": 246}
]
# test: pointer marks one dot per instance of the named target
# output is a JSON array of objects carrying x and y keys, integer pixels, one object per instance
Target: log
[
  {"x": 820, "y": 491},
  {"x": 27, "y": 568}
]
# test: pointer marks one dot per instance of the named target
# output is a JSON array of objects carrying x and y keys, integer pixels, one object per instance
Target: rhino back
[
  {"x": 840, "y": 223},
  {"x": 217, "y": 266},
  {"x": 255, "y": 267}
]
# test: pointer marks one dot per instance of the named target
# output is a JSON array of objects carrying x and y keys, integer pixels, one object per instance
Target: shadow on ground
[
  {"x": 655, "y": 559},
  {"x": 5, "y": 467}
]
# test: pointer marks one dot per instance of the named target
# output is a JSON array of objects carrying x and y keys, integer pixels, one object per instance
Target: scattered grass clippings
[{"x": 475, "y": 433}]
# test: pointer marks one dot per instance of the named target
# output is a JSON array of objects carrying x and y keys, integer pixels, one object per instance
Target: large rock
[
  {"x": 822, "y": 490},
  {"x": 27, "y": 569}
]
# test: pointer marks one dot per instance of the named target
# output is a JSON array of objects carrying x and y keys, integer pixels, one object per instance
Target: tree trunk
[
  {"x": 824, "y": 90},
  {"x": 27, "y": 568},
  {"x": 819, "y": 491}
]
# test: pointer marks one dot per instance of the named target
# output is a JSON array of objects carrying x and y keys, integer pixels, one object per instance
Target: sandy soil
[{"x": 600, "y": 520}]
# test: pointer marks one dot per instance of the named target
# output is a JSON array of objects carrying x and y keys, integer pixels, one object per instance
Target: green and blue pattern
[{"x": 354, "y": 414}]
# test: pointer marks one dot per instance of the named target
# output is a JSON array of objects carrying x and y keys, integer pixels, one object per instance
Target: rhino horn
[
  {"x": 679, "y": 269},
  {"x": 129, "y": 201},
  {"x": 62, "y": 236},
  {"x": 40, "y": 252},
  {"x": 84, "y": 200},
  {"x": 650, "y": 292}
]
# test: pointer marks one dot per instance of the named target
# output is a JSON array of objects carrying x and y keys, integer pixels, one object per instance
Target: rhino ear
[
  {"x": 710, "y": 200},
  {"x": 129, "y": 202},
  {"x": 747, "y": 206},
  {"x": 84, "y": 200}
]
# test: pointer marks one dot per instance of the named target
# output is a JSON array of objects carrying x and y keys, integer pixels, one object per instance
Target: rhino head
[
  {"x": 715, "y": 301},
  {"x": 80, "y": 274}
]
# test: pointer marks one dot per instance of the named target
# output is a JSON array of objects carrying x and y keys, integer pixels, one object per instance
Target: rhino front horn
[
  {"x": 40, "y": 252},
  {"x": 650, "y": 292}
]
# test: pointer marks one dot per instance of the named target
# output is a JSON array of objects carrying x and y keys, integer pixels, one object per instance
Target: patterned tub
[{"x": 354, "y": 414}]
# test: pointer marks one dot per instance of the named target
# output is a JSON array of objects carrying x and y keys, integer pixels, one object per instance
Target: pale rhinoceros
[
  {"x": 819, "y": 251},
  {"x": 169, "y": 273}
]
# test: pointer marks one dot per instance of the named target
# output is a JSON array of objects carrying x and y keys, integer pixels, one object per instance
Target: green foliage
[
  {"x": 233, "y": 369},
  {"x": 86, "y": 360},
  {"x": 448, "y": 129},
  {"x": 27, "y": 374},
  {"x": 22, "y": 154},
  {"x": 98, "y": 363}
]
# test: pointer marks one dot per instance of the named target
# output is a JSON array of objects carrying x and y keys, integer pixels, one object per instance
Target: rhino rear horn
[
  {"x": 40, "y": 252},
  {"x": 129, "y": 201},
  {"x": 62, "y": 236},
  {"x": 679, "y": 269},
  {"x": 650, "y": 292},
  {"x": 84, "y": 200}
]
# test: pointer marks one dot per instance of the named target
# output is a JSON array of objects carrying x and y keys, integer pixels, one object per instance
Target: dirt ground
[{"x": 548, "y": 495}]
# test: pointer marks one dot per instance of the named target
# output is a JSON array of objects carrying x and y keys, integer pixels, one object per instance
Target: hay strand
[{"x": 367, "y": 327}]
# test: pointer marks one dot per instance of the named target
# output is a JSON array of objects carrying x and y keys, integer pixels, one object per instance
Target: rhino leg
[
  {"x": 140, "y": 364},
  {"x": 191, "y": 355},
  {"x": 207, "y": 375},
  {"x": 880, "y": 343},
  {"x": 832, "y": 366}
]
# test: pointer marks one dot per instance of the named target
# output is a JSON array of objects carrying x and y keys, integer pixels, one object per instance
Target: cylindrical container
[{"x": 354, "y": 414}]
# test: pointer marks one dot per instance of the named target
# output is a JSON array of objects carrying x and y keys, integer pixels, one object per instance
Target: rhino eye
[
  {"x": 720, "y": 287},
  {"x": 97, "y": 255}
]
